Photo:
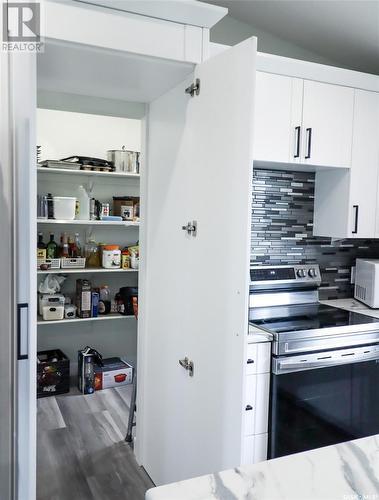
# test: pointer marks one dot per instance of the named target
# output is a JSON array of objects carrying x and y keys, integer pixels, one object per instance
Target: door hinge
[
  {"x": 187, "y": 365},
  {"x": 191, "y": 228},
  {"x": 194, "y": 88}
]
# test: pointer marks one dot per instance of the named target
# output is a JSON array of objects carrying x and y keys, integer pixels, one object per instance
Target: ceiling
[{"x": 345, "y": 32}]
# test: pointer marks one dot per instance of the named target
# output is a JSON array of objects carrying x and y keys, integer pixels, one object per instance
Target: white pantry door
[
  {"x": 17, "y": 272},
  {"x": 195, "y": 288}
]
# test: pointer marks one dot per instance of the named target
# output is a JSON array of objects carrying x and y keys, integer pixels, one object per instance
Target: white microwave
[{"x": 366, "y": 288}]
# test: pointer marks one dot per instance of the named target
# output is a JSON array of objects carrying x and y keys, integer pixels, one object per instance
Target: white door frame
[{"x": 8, "y": 363}]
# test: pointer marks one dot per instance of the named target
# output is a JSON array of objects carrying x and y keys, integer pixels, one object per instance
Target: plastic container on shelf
[
  {"x": 53, "y": 313},
  {"x": 84, "y": 204},
  {"x": 64, "y": 207},
  {"x": 111, "y": 257}
]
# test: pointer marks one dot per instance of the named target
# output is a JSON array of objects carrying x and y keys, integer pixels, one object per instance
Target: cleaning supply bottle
[{"x": 84, "y": 203}]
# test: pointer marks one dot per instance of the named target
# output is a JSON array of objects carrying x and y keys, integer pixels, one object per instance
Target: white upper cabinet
[
  {"x": 302, "y": 121},
  {"x": 365, "y": 166},
  {"x": 278, "y": 112},
  {"x": 123, "y": 31},
  {"x": 327, "y": 124},
  {"x": 346, "y": 200}
]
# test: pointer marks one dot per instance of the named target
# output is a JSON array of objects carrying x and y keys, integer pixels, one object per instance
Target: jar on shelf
[
  {"x": 92, "y": 254},
  {"x": 111, "y": 257}
]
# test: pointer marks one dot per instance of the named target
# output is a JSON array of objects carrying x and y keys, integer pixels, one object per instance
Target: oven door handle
[{"x": 326, "y": 359}]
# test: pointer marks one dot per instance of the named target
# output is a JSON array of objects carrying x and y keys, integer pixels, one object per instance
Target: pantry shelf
[
  {"x": 86, "y": 270},
  {"x": 87, "y": 173},
  {"x": 107, "y": 317},
  {"x": 89, "y": 222}
]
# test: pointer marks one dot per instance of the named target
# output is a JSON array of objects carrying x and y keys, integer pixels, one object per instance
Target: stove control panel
[{"x": 307, "y": 273}]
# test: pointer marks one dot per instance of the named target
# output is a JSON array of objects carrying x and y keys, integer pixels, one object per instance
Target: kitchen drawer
[
  {"x": 256, "y": 404},
  {"x": 258, "y": 357},
  {"x": 254, "y": 449}
]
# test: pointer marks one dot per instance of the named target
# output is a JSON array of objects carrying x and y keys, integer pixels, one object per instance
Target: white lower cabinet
[
  {"x": 254, "y": 449},
  {"x": 258, "y": 358},
  {"x": 256, "y": 403}
]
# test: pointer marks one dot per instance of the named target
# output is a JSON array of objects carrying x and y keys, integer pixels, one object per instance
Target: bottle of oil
[
  {"x": 52, "y": 248},
  {"x": 41, "y": 247}
]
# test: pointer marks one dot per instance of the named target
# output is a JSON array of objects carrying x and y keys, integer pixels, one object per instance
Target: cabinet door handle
[
  {"x": 308, "y": 131},
  {"x": 355, "y": 230},
  {"x": 22, "y": 331},
  {"x": 297, "y": 142},
  {"x": 248, "y": 407},
  {"x": 250, "y": 361}
]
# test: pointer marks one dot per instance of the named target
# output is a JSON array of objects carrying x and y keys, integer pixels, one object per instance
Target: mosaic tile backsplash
[{"x": 282, "y": 223}]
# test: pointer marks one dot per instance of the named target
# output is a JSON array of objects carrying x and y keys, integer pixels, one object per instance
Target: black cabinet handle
[
  {"x": 309, "y": 143},
  {"x": 297, "y": 142},
  {"x": 250, "y": 361},
  {"x": 356, "y": 208},
  {"x": 22, "y": 331},
  {"x": 248, "y": 407}
]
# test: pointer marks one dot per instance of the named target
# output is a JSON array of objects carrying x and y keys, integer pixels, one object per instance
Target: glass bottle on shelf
[
  {"x": 65, "y": 253},
  {"x": 41, "y": 247},
  {"x": 77, "y": 248},
  {"x": 92, "y": 254},
  {"x": 52, "y": 248},
  {"x": 50, "y": 206}
]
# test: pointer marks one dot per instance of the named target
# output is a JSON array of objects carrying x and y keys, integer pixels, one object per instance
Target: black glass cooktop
[{"x": 305, "y": 317}]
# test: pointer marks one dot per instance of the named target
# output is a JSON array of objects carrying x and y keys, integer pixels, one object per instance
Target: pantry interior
[{"x": 62, "y": 134}]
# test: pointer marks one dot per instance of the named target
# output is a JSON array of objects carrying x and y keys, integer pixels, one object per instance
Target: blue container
[{"x": 95, "y": 305}]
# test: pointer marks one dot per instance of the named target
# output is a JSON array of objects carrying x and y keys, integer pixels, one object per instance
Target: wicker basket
[
  {"x": 52, "y": 263},
  {"x": 77, "y": 263}
]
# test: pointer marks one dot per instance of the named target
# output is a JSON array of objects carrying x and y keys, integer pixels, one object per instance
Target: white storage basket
[
  {"x": 78, "y": 263},
  {"x": 52, "y": 263}
]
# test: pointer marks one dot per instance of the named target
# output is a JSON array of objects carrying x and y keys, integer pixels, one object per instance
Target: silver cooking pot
[{"x": 124, "y": 160}]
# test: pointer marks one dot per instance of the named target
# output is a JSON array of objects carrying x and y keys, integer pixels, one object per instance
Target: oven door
[{"x": 323, "y": 398}]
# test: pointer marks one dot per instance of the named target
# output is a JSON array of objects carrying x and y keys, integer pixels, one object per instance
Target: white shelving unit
[
  {"x": 86, "y": 173},
  {"x": 107, "y": 317},
  {"x": 87, "y": 270},
  {"x": 89, "y": 222},
  {"x": 51, "y": 178}
]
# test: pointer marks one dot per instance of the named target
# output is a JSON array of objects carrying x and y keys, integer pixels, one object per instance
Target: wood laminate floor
[{"x": 81, "y": 452}]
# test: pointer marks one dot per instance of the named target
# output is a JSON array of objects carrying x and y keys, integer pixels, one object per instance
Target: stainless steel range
[{"x": 325, "y": 361}]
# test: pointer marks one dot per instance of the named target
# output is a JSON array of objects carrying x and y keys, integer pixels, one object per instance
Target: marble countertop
[
  {"x": 346, "y": 471},
  {"x": 354, "y": 306}
]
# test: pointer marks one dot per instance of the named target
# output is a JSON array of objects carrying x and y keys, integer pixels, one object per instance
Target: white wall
[
  {"x": 230, "y": 31},
  {"x": 63, "y": 133}
]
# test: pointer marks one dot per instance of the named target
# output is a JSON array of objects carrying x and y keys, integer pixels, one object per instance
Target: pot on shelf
[{"x": 124, "y": 160}]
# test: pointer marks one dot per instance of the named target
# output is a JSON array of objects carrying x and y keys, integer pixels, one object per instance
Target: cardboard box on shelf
[{"x": 83, "y": 298}]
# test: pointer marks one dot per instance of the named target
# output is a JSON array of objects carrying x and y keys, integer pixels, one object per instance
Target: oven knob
[
  {"x": 300, "y": 273},
  {"x": 312, "y": 272}
]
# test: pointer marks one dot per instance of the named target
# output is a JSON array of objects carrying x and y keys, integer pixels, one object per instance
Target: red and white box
[{"x": 114, "y": 373}]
